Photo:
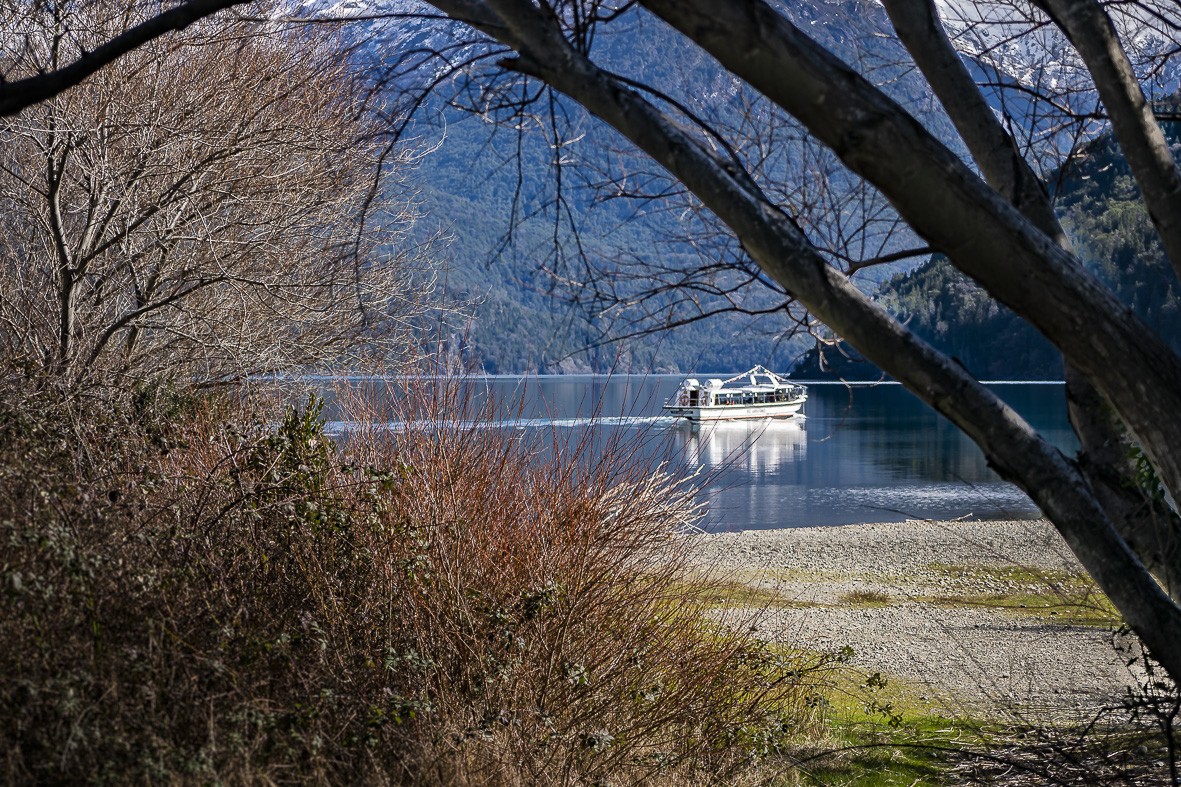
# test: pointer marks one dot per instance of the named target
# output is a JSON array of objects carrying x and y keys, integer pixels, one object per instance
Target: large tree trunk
[{"x": 1149, "y": 527}]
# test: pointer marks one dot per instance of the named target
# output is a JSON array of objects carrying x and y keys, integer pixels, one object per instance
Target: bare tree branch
[
  {"x": 979, "y": 231},
  {"x": 1140, "y": 136},
  {"x": 206, "y": 208},
  {"x": 21, "y": 93},
  {"x": 995, "y": 152},
  {"x": 779, "y": 246}
]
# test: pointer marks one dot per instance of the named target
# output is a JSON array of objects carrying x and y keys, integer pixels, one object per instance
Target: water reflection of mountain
[
  {"x": 883, "y": 435},
  {"x": 754, "y": 446}
]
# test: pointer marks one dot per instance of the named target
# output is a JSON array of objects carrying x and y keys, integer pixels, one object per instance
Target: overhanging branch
[{"x": 22, "y": 93}]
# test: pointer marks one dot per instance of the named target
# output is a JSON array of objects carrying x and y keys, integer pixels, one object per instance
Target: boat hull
[{"x": 732, "y": 412}]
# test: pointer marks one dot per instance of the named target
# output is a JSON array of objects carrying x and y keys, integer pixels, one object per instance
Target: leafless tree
[
  {"x": 206, "y": 206},
  {"x": 982, "y": 205},
  {"x": 27, "y": 89}
]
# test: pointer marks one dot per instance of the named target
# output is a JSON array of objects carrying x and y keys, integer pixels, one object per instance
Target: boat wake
[{"x": 335, "y": 428}]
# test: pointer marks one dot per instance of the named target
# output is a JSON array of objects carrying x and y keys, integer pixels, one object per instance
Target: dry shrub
[{"x": 190, "y": 594}]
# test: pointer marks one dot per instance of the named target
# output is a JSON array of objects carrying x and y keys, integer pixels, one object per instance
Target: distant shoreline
[{"x": 591, "y": 376}]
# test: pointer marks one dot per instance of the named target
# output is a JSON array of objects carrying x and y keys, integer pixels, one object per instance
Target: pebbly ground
[{"x": 905, "y": 596}]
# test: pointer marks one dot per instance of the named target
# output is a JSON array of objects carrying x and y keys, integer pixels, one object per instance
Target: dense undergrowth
[{"x": 200, "y": 590}]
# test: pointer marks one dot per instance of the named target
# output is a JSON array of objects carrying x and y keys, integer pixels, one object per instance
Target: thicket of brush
[{"x": 200, "y": 591}]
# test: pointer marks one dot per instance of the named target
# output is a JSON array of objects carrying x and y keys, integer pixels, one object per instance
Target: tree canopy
[{"x": 204, "y": 207}]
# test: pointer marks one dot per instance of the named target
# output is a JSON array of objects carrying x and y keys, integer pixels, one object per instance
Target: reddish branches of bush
[{"x": 191, "y": 594}]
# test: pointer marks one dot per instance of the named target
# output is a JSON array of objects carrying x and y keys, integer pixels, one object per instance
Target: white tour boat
[{"x": 759, "y": 393}]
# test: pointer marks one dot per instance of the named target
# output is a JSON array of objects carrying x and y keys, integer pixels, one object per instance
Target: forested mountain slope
[
  {"x": 550, "y": 282},
  {"x": 519, "y": 318},
  {"x": 1112, "y": 233},
  {"x": 530, "y": 308}
]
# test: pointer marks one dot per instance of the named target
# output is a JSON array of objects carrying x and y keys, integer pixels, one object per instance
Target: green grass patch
[
  {"x": 737, "y": 593},
  {"x": 786, "y": 575},
  {"x": 1088, "y": 611},
  {"x": 871, "y": 757},
  {"x": 1060, "y": 597},
  {"x": 731, "y": 593},
  {"x": 1012, "y": 574},
  {"x": 866, "y": 598},
  {"x": 884, "y": 732}
]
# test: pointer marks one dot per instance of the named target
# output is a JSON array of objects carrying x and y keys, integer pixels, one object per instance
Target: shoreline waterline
[{"x": 596, "y": 376}]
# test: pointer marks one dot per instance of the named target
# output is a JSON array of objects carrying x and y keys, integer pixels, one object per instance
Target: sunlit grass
[
  {"x": 866, "y": 598},
  {"x": 884, "y": 732},
  {"x": 1059, "y": 597},
  {"x": 729, "y": 593},
  {"x": 765, "y": 592},
  {"x": 880, "y": 730}
]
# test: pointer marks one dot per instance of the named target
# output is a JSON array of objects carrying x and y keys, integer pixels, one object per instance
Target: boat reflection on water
[{"x": 754, "y": 446}]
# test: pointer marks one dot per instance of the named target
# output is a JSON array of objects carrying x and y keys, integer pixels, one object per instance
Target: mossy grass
[
  {"x": 870, "y": 730},
  {"x": 1012, "y": 574},
  {"x": 1060, "y": 597},
  {"x": 754, "y": 591},
  {"x": 1057, "y": 596},
  {"x": 879, "y": 731},
  {"x": 886, "y": 731},
  {"x": 735, "y": 594}
]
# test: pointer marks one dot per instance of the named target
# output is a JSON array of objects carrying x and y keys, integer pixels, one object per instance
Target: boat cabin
[{"x": 759, "y": 393}]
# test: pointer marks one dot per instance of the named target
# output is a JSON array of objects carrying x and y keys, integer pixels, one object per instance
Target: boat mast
[{"x": 760, "y": 369}]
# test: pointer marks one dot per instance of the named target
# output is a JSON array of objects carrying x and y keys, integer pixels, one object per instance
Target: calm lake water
[{"x": 860, "y": 453}]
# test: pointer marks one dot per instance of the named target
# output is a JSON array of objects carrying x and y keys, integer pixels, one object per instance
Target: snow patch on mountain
[{"x": 1019, "y": 41}]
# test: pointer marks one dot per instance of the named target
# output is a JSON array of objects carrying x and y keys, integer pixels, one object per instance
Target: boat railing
[
  {"x": 736, "y": 398},
  {"x": 715, "y": 394}
]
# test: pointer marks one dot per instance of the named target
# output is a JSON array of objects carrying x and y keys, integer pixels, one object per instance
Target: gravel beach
[{"x": 906, "y": 597}]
